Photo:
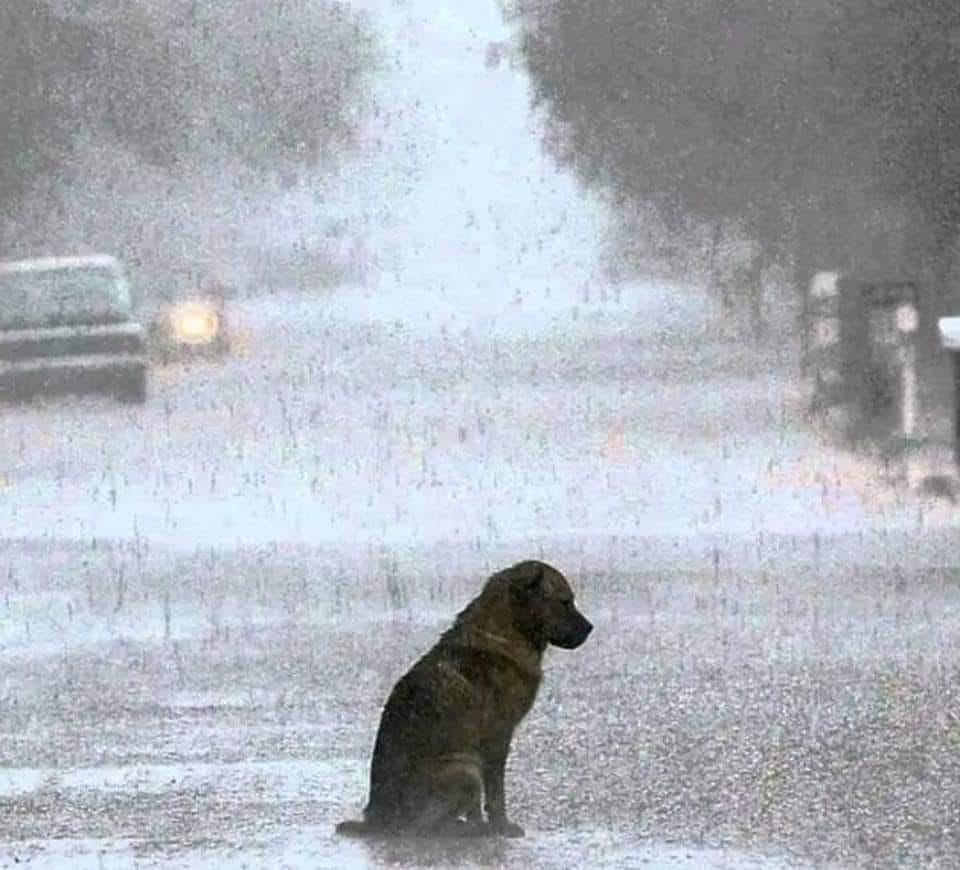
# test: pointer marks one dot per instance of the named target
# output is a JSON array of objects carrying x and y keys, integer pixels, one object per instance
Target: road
[
  {"x": 206, "y": 599},
  {"x": 327, "y": 428}
]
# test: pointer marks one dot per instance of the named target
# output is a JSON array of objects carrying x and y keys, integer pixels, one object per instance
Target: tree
[
  {"x": 755, "y": 112},
  {"x": 901, "y": 61},
  {"x": 39, "y": 55},
  {"x": 275, "y": 83},
  {"x": 701, "y": 108}
]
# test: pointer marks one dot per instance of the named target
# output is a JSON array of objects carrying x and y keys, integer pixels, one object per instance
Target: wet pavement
[
  {"x": 720, "y": 716},
  {"x": 207, "y": 599}
]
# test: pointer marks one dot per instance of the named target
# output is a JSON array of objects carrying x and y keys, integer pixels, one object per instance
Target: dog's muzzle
[{"x": 574, "y": 634}]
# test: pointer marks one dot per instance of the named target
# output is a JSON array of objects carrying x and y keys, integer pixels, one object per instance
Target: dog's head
[{"x": 543, "y": 606}]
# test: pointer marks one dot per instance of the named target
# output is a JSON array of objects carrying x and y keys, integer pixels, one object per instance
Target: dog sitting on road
[{"x": 445, "y": 732}]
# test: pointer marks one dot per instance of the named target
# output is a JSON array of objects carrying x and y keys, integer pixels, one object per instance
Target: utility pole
[{"x": 950, "y": 341}]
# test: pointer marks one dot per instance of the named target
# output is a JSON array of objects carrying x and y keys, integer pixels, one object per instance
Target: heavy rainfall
[{"x": 407, "y": 291}]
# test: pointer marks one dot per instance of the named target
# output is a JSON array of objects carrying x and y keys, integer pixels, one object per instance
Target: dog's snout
[
  {"x": 574, "y": 633},
  {"x": 585, "y": 628}
]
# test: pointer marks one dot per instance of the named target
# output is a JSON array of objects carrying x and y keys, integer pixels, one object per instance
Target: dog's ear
[
  {"x": 528, "y": 578},
  {"x": 535, "y": 580}
]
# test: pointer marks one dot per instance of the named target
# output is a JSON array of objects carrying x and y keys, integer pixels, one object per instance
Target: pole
[{"x": 956, "y": 406}]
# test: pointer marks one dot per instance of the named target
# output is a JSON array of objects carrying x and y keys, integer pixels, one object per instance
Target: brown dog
[{"x": 445, "y": 732}]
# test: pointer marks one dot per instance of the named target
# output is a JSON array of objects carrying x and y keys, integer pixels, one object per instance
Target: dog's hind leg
[{"x": 454, "y": 804}]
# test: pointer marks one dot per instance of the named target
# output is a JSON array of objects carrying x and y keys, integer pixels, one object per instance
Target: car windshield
[{"x": 62, "y": 297}]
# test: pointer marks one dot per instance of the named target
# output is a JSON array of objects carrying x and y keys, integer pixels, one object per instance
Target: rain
[{"x": 448, "y": 346}]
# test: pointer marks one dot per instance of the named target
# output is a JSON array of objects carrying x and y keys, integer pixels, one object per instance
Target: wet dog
[{"x": 445, "y": 731}]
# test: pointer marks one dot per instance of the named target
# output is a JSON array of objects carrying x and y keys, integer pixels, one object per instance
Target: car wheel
[{"x": 133, "y": 388}]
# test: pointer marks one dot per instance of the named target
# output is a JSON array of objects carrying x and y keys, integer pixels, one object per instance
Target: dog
[{"x": 445, "y": 731}]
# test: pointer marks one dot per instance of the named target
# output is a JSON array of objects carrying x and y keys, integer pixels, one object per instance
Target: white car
[{"x": 68, "y": 325}]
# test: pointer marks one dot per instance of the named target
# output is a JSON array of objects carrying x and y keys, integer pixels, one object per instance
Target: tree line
[
  {"x": 181, "y": 83},
  {"x": 778, "y": 116}
]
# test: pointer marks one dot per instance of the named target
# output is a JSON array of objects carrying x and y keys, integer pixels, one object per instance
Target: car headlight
[{"x": 194, "y": 323}]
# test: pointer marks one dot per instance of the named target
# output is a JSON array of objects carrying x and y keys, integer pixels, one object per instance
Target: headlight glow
[{"x": 194, "y": 323}]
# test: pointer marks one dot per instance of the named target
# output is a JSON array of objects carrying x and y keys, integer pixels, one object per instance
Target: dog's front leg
[{"x": 495, "y": 802}]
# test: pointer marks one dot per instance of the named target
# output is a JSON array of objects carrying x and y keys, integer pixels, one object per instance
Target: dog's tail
[{"x": 357, "y": 828}]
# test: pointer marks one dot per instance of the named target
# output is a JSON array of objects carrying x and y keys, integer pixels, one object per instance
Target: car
[
  {"x": 190, "y": 320},
  {"x": 69, "y": 325}
]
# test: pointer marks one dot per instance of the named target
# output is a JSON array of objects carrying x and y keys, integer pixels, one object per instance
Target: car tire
[{"x": 133, "y": 388}]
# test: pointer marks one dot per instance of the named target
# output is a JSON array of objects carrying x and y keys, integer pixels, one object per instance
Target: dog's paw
[
  {"x": 461, "y": 828},
  {"x": 507, "y": 829}
]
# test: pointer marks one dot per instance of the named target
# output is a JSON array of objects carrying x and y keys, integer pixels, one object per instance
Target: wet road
[
  {"x": 327, "y": 428},
  {"x": 220, "y": 710},
  {"x": 191, "y": 590}
]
